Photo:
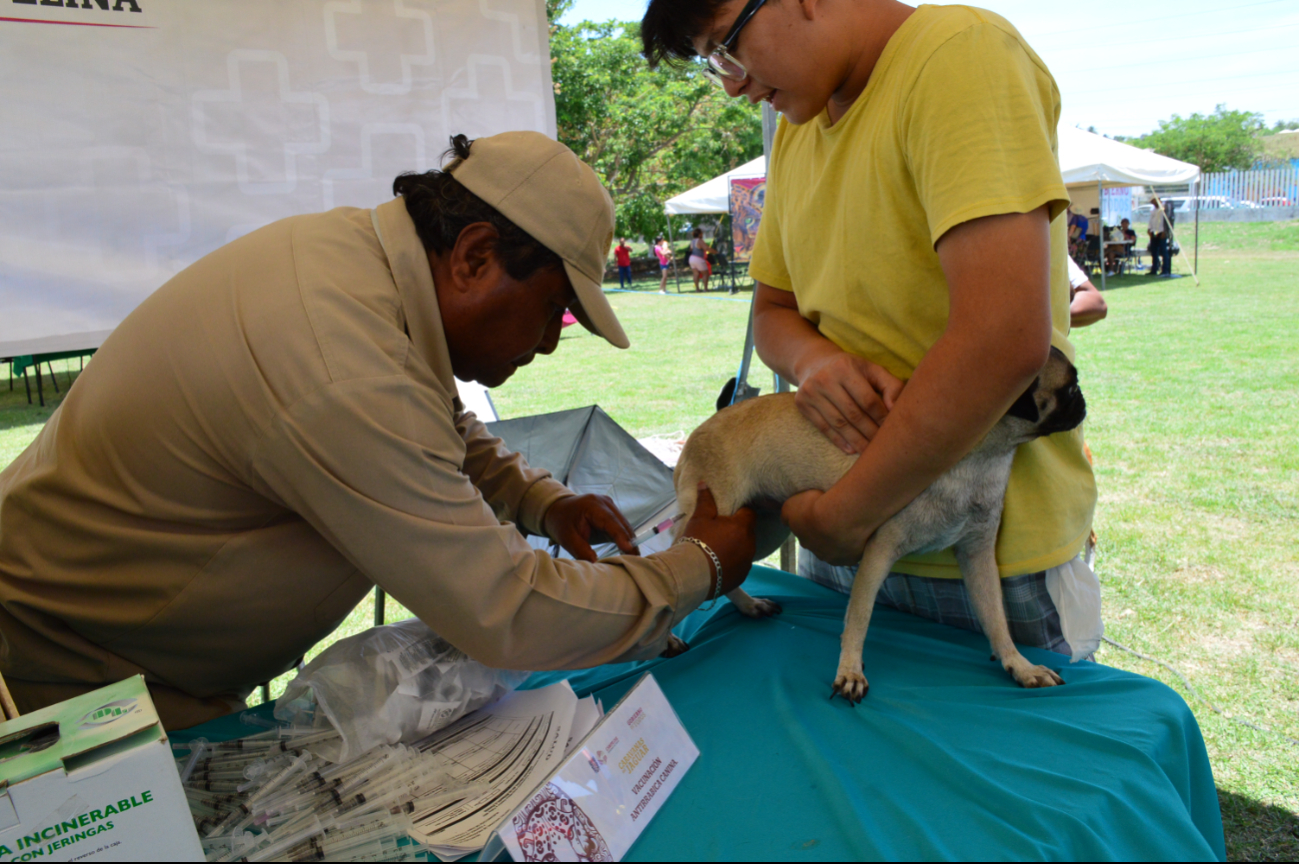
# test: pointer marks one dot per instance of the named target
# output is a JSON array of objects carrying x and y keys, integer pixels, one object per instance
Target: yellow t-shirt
[{"x": 958, "y": 122}]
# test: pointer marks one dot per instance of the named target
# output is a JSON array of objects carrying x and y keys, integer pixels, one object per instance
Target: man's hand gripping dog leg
[
  {"x": 732, "y": 539},
  {"x": 983, "y": 582}
]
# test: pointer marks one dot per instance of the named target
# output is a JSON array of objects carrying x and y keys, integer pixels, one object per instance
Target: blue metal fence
[{"x": 1269, "y": 187}]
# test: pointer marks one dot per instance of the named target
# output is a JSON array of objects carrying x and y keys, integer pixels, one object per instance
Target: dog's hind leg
[
  {"x": 979, "y": 567},
  {"x": 849, "y": 682}
]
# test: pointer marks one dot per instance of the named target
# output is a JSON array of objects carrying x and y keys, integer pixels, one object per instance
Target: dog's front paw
[
  {"x": 761, "y": 607},
  {"x": 675, "y": 647},
  {"x": 852, "y": 686},
  {"x": 1036, "y": 676},
  {"x": 753, "y": 607}
]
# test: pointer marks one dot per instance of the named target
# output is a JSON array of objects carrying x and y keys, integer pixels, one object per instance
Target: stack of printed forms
[
  {"x": 497, "y": 755},
  {"x": 273, "y": 796}
]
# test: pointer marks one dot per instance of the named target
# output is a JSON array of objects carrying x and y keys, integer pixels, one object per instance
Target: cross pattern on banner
[
  {"x": 347, "y": 12},
  {"x": 132, "y": 211},
  {"x": 378, "y": 188},
  {"x": 486, "y": 96},
  {"x": 268, "y": 120},
  {"x": 516, "y": 31}
]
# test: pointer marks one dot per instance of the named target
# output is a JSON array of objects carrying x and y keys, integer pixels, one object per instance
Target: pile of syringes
[{"x": 269, "y": 797}]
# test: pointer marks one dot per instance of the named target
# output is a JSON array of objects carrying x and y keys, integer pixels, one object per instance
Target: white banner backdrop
[{"x": 135, "y": 137}]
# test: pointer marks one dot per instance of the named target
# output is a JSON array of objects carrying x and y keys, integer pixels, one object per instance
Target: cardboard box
[{"x": 93, "y": 778}]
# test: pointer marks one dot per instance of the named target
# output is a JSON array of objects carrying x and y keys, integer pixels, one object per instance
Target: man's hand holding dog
[
  {"x": 844, "y": 396},
  {"x": 731, "y": 538},
  {"x": 847, "y": 398}
]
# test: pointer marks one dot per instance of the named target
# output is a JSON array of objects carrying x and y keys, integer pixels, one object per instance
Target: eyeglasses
[{"x": 722, "y": 66}]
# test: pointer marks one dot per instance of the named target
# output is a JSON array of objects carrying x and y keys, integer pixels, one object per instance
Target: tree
[
  {"x": 649, "y": 134},
  {"x": 1218, "y": 142}
]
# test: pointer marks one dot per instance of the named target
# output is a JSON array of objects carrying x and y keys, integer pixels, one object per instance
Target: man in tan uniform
[{"x": 276, "y": 430}]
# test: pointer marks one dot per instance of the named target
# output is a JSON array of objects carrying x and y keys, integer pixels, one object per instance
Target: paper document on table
[
  {"x": 501, "y": 754},
  {"x": 587, "y": 714},
  {"x": 597, "y": 803}
]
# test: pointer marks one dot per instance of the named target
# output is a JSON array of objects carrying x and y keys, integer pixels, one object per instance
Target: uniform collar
[{"x": 410, "y": 270}]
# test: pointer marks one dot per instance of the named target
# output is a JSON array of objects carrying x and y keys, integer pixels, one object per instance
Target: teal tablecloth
[{"x": 946, "y": 759}]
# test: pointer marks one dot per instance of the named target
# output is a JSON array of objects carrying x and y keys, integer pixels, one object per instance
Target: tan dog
[{"x": 765, "y": 449}]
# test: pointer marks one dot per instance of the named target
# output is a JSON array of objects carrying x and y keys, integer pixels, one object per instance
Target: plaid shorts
[{"x": 1030, "y": 612}]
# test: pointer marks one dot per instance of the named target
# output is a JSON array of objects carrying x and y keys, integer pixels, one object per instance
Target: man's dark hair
[
  {"x": 441, "y": 207},
  {"x": 669, "y": 25}
]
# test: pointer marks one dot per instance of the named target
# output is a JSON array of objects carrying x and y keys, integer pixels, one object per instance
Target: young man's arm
[
  {"x": 843, "y": 395},
  {"x": 997, "y": 339}
]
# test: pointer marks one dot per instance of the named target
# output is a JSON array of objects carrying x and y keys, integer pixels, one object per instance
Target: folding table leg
[
  {"x": 40, "y": 385},
  {"x": 27, "y": 382},
  {"x": 53, "y": 377}
]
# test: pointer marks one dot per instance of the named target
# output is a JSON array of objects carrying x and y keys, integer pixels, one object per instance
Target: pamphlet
[
  {"x": 607, "y": 790},
  {"x": 503, "y": 751}
]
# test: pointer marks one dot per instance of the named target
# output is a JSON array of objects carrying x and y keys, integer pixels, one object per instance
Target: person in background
[
  {"x": 1128, "y": 234},
  {"x": 1086, "y": 305},
  {"x": 663, "y": 250},
  {"x": 699, "y": 258},
  {"x": 1077, "y": 235},
  {"x": 622, "y": 255},
  {"x": 1158, "y": 231}
]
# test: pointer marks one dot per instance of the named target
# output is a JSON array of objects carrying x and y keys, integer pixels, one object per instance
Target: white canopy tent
[
  {"x": 1087, "y": 159},
  {"x": 711, "y": 197},
  {"x": 1091, "y": 162},
  {"x": 715, "y": 195}
]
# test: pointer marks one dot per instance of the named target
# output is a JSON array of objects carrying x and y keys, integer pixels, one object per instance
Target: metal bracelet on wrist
[{"x": 717, "y": 565}]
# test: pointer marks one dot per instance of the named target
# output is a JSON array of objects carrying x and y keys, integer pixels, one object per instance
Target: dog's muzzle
[{"x": 1069, "y": 413}]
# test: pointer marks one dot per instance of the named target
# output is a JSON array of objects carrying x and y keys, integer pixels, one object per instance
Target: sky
[{"x": 1122, "y": 66}]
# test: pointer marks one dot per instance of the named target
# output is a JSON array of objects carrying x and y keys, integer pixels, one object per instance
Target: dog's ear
[
  {"x": 1025, "y": 408},
  {"x": 728, "y": 393}
]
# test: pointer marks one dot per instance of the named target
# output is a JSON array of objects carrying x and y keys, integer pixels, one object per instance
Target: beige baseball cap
[{"x": 542, "y": 187}]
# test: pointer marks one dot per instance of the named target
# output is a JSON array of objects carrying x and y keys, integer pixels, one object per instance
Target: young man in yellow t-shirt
[{"x": 913, "y": 232}]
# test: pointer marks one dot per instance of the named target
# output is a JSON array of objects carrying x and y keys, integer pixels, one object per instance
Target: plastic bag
[
  {"x": 390, "y": 684},
  {"x": 1076, "y": 593}
]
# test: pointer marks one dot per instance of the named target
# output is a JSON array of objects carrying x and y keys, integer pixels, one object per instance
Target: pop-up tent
[
  {"x": 715, "y": 195},
  {"x": 1087, "y": 159},
  {"x": 1091, "y": 162},
  {"x": 591, "y": 454}
]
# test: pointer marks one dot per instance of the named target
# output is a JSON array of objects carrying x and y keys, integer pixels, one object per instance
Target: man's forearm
[
  {"x": 785, "y": 340},
  {"x": 959, "y": 391},
  {"x": 997, "y": 338}
]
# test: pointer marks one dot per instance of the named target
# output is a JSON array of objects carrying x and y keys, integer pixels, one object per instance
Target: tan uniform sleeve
[
  {"x": 515, "y": 491},
  {"x": 375, "y": 465}
]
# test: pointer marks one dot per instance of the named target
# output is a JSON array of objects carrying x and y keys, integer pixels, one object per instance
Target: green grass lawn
[{"x": 1193, "y": 397}]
